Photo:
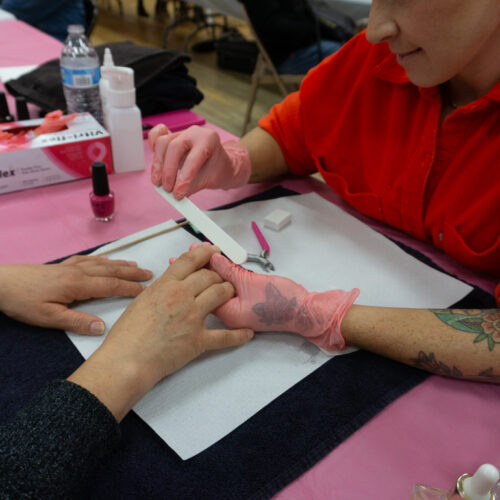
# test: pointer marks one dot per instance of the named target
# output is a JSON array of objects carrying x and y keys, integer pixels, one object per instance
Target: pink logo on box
[
  {"x": 76, "y": 158},
  {"x": 97, "y": 151}
]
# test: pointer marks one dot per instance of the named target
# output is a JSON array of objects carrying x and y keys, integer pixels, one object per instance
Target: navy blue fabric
[
  {"x": 51, "y": 17},
  {"x": 302, "y": 60},
  {"x": 255, "y": 461}
]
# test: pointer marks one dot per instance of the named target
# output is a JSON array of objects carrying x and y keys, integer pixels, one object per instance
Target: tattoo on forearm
[
  {"x": 431, "y": 364},
  {"x": 483, "y": 323},
  {"x": 278, "y": 310}
]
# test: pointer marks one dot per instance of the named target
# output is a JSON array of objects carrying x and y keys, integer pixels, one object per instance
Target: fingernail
[
  {"x": 97, "y": 328},
  {"x": 132, "y": 262},
  {"x": 249, "y": 334},
  {"x": 149, "y": 273}
]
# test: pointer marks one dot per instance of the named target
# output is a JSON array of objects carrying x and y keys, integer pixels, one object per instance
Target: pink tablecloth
[{"x": 431, "y": 435}]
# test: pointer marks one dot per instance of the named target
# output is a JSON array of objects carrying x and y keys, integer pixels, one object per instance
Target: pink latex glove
[
  {"x": 54, "y": 122},
  {"x": 5, "y": 136},
  {"x": 194, "y": 159},
  {"x": 274, "y": 303}
]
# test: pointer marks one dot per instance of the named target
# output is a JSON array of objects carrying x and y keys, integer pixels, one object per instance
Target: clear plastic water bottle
[{"x": 80, "y": 74}]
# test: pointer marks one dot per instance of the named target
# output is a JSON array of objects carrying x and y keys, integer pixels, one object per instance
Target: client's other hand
[{"x": 40, "y": 294}]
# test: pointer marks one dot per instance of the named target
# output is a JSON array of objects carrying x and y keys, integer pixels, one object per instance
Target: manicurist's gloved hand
[
  {"x": 274, "y": 303},
  {"x": 194, "y": 159}
]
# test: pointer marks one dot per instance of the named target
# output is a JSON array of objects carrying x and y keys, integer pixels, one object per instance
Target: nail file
[{"x": 233, "y": 250}]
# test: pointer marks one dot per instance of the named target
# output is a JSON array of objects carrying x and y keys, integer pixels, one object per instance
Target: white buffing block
[{"x": 277, "y": 219}]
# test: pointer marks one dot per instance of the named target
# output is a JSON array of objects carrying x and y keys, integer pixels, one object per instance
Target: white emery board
[
  {"x": 217, "y": 236},
  {"x": 322, "y": 249}
]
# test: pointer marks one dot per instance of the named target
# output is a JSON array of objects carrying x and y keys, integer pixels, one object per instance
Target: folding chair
[
  {"x": 265, "y": 72},
  {"x": 204, "y": 18}
]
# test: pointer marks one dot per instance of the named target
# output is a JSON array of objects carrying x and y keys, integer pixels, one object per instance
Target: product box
[{"x": 29, "y": 160}]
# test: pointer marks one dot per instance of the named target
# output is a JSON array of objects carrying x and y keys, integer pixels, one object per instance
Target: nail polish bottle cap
[
  {"x": 22, "y": 108},
  {"x": 5, "y": 115},
  {"x": 100, "y": 179}
]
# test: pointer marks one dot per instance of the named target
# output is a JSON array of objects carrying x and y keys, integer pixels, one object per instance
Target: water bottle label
[{"x": 80, "y": 78}]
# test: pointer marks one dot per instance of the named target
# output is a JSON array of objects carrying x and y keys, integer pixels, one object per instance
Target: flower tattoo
[{"x": 485, "y": 324}]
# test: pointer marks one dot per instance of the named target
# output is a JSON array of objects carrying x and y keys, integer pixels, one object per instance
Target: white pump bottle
[{"x": 124, "y": 121}]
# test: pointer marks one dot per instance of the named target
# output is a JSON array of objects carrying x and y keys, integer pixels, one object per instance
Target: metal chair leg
[{"x": 190, "y": 37}]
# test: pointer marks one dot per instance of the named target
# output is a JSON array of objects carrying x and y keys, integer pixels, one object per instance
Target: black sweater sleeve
[{"x": 49, "y": 446}]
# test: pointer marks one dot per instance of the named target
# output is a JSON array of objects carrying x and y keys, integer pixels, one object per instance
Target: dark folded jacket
[{"x": 161, "y": 79}]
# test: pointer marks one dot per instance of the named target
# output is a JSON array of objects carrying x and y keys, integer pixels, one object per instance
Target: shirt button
[{"x": 440, "y": 236}]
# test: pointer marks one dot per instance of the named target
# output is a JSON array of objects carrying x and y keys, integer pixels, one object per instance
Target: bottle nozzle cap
[{"x": 108, "y": 58}]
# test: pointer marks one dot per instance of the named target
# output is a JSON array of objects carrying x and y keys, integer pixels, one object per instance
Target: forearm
[
  {"x": 4, "y": 285},
  {"x": 455, "y": 343},
  {"x": 266, "y": 157},
  {"x": 116, "y": 381},
  {"x": 16, "y": 289}
]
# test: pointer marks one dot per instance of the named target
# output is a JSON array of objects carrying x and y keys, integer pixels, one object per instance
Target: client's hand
[
  {"x": 195, "y": 159},
  {"x": 274, "y": 303},
  {"x": 161, "y": 331},
  {"x": 39, "y": 294}
]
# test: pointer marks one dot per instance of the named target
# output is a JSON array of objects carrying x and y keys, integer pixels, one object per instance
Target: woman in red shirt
[{"x": 403, "y": 123}]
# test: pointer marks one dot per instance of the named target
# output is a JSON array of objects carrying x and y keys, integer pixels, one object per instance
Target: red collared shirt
[{"x": 376, "y": 139}]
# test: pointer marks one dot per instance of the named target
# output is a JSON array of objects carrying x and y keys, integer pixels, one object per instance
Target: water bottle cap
[{"x": 76, "y": 29}]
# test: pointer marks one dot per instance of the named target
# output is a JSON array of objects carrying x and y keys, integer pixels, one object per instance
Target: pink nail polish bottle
[{"x": 102, "y": 199}]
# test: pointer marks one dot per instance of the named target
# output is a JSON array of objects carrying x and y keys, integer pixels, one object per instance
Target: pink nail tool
[{"x": 263, "y": 257}]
